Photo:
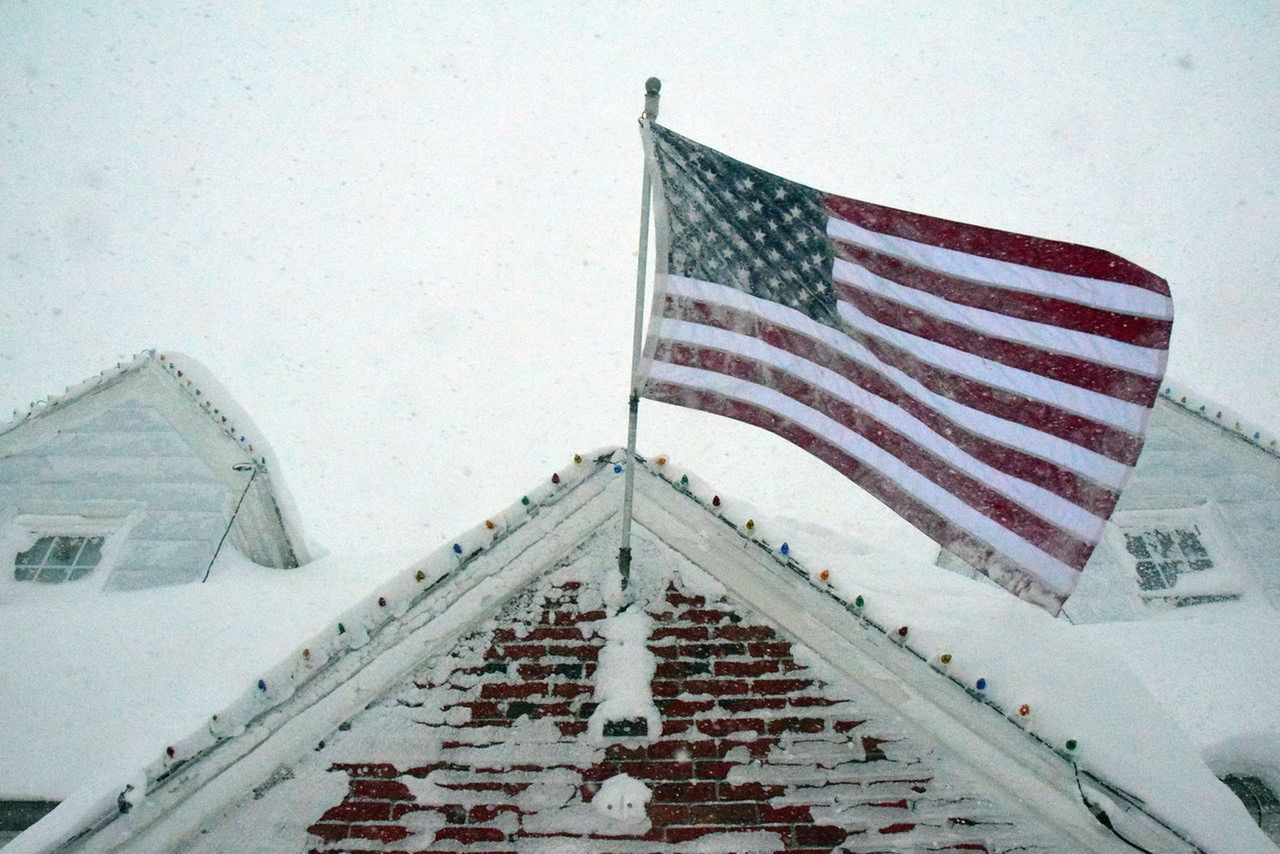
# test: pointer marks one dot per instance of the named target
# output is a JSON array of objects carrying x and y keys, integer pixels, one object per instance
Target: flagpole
[{"x": 652, "y": 87}]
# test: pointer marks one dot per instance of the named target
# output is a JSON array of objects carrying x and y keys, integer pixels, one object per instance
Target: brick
[
  {"x": 386, "y": 790},
  {"x": 571, "y": 585},
  {"x": 330, "y": 832},
  {"x": 683, "y": 751},
  {"x": 721, "y": 727},
  {"x": 899, "y": 827},
  {"x": 712, "y": 770},
  {"x": 714, "y": 687},
  {"x": 556, "y": 633},
  {"x": 846, "y": 726},
  {"x": 664, "y": 688},
  {"x": 750, "y": 704},
  {"x": 522, "y": 650},
  {"x": 519, "y": 708},
  {"x": 785, "y": 815},
  {"x": 804, "y": 725},
  {"x": 689, "y": 633},
  {"x": 758, "y": 667},
  {"x": 683, "y": 793},
  {"x": 581, "y": 651},
  {"x": 348, "y": 811},
  {"x": 680, "y": 669},
  {"x": 512, "y": 691},
  {"x": 488, "y": 812},
  {"x": 747, "y": 792},
  {"x": 760, "y": 649},
  {"x": 779, "y": 686},
  {"x": 684, "y": 708},
  {"x": 676, "y": 726},
  {"x": 586, "y": 710},
  {"x": 483, "y": 710},
  {"x": 735, "y": 813},
  {"x": 825, "y": 835},
  {"x": 657, "y": 770},
  {"x": 534, "y": 671},
  {"x": 808, "y": 702},
  {"x": 567, "y": 618},
  {"x": 571, "y": 729},
  {"x": 569, "y": 671},
  {"x": 746, "y": 633},
  {"x": 570, "y": 689},
  {"x": 380, "y": 832},
  {"x": 628, "y": 752},
  {"x": 630, "y": 728},
  {"x": 665, "y": 814},
  {"x": 664, "y": 650},
  {"x": 470, "y": 835},
  {"x": 706, "y": 615},
  {"x": 679, "y": 599},
  {"x": 368, "y": 769},
  {"x": 711, "y": 650}
]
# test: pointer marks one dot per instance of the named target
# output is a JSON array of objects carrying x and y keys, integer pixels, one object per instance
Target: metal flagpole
[{"x": 652, "y": 86}]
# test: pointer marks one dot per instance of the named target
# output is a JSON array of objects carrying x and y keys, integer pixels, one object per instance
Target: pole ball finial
[{"x": 652, "y": 86}]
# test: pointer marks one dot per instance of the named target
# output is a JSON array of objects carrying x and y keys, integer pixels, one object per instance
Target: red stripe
[
  {"x": 1060, "y": 481},
  {"x": 1100, "y": 438},
  {"x": 1104, "y": 379},
  {"x": 972, "y": 491},
  {"x": 1126, "y": 328},
  {"x": 1051, "y": 255},
  {"x": 957, "y": 540}
]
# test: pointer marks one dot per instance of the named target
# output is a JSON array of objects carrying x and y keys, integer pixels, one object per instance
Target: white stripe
[
  {"x": 1047, "y": 505},
  {"x": 1098, "y": 293},
  {"x": 1069, "y": 455},
  {"x": 1091, "y": 404},
  {"x": 1044, "y": 336},
  {"x": 1052, "y": 572}
]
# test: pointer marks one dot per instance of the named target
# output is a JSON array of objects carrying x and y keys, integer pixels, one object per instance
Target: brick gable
[{"x": 760, "y": 748}]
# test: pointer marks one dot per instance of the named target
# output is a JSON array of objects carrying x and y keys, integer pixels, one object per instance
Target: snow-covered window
[
  {"x": 1259, "y": 800},
  {"x": 1176, "y": 559},
  {"x": 53, "y": 559}
]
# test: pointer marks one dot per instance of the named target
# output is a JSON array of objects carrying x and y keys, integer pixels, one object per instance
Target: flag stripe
[
  {"x": 1019, "y": 506},
  {"x": 1001, "y": 274},
  {"x": 1119, "y": 414},
  {"x": 1034, "y": 253},
  {"x": 1042, "y": 337},
  {"x": 1126, "y": 328},
  {"x": 1095, "y": 450},
  {"x": 723, "y": 393},
  {"x": 1090, "y": 376},
  {"x": 712, "y": 327}
]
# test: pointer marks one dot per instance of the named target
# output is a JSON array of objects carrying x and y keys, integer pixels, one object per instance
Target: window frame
[{"x": 23, "y": 531}]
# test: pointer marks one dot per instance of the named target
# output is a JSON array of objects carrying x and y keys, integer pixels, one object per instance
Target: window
[
  {"x": 54, "y": 559},
  {"x": 1259, "y": 800},
  {"x": 1176, "y": 560}
]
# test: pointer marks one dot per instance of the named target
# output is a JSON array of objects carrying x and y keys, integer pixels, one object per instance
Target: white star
[
  {"x": 744, "y": 214},
  {"x": 757, "y": 206},
  {"x": 779, "y": 193},
  {"x": 758, "y": 235},
  {"x": 773, "y": 224}
]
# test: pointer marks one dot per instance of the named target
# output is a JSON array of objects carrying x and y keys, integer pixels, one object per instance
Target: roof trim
[{"x": 1221, "y": 416}]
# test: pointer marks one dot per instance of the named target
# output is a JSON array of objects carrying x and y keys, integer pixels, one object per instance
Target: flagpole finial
[{"x": 652, "y": 88}]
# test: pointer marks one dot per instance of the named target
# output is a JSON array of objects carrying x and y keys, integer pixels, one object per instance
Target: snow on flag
[{"x": 991, "y": 388}]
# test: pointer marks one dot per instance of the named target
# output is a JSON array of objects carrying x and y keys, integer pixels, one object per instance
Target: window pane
[
  {"x": 64, "y": 551},
  {"x": 78, "y": 572},
  {"x": 91, "y": 553},
  {"x": 34, "y": 555},
  {"x": 52, "y": 574},
  {"x": 24, "y": 573}
]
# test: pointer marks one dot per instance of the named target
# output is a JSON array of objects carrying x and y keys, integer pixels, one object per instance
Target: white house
[{"x": 755, "y": 688}]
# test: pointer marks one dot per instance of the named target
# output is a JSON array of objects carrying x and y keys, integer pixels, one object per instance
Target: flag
[{"x": 993, "y": 389}]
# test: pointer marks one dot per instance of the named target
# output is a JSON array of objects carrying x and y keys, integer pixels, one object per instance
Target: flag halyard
[{"x": 991, "y": 388}]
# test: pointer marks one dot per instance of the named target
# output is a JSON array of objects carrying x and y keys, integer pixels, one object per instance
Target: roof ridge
[{"x": 1224, "y": 417}]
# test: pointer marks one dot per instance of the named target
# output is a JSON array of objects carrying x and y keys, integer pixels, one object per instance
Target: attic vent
[
  {"x": 1259, "y": 800},
  {"x": 56, "y": 559}
]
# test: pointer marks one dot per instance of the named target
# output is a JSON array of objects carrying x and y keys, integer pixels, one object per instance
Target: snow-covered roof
[
  {"x": 1215, "y": 413},
  {"x": 197, "y": 383},
  {"x": 1084, "y": 708}
]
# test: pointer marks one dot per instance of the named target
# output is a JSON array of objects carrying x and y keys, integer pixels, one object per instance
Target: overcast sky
[{"x": 404, "y": 235}]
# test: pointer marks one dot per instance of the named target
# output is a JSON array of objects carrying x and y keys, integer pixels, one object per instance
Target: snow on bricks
[{"x": 488, "y": 748}]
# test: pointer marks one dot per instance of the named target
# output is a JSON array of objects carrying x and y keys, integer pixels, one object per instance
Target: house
[
  {"x": 149, "y": 557},
  {"x": 1197, "y": 524},
  {"x": 505, "y": 693},
  {"x": 134, "y": 479}
]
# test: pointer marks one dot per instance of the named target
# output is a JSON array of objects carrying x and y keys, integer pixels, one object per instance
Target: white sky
[{"x": 404, "y": 235}]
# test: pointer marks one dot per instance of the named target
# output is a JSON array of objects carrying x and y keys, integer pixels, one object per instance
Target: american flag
[{"x": 992, "y": 388}]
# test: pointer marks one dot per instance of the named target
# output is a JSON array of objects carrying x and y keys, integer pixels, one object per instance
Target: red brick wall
[{"x": 752, "y": 741}]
